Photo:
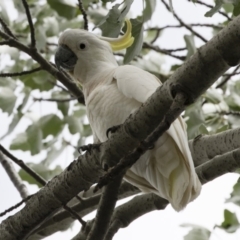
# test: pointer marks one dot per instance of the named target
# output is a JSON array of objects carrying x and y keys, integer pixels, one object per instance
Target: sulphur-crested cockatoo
[{"x": 111, "y": 94}]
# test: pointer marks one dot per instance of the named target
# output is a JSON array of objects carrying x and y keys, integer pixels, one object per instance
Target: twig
[
  {"x": 180, "y": 26},
  {"x": 37, "y": 177},
  {"x": 211, "y": 6},
  {"x": 15, "y": 206},
  {"x": 82, "y": 10},
  {"x": 54, "y": 99},
  {"x": 47, "y": 66},
  {"x": 184, "y": 24},
  {"x": 228, "y": 77},
  {"x": 157, "y": 49},
  {"x": 21, "y": 164},
  {"x": 176, "y": 108},
  {"x": 105, "y": 209},
  {"x": 6, "y": 29},
  {"x": 74, "y": 214},
  {"x": 13, "y": 175},
  {"x": 234, "y": 113},
  {"x": 30, "y": 22},
  {"x": 16, "y": 74}
]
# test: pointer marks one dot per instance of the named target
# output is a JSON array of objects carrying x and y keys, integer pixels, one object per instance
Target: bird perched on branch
[{"x": 111, "y": 94}]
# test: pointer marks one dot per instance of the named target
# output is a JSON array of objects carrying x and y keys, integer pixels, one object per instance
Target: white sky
[{"x": 207, "y": 210}]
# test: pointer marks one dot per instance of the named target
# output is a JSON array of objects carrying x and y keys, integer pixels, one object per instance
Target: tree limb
[{"x": 194, "y": 76}]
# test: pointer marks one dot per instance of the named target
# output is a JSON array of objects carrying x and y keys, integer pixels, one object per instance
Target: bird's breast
[{"x": 107, "y": 107}]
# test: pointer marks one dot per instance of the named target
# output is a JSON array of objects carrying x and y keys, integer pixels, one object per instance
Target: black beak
[{"x": 65, "y": 58}]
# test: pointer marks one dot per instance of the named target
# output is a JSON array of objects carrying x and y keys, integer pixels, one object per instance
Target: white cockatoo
[{"x": 111, "y": 94}]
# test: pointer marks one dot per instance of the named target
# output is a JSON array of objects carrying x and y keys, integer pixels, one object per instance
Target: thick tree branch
[
  {"x": 204, "y": 148},
  {"x": 194, "y": 76}
]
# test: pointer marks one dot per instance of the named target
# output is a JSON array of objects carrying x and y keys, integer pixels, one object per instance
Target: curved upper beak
[{"x": 65, "y": 58}]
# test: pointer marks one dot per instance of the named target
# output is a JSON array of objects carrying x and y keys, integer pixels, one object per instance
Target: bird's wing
[{"x": 169, "y": 169}]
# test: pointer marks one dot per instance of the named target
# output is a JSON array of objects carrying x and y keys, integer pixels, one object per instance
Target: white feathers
[{"x": 112, "y": 93}]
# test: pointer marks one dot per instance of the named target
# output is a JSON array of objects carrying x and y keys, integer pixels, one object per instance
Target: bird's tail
[{"x": 168, "y": 169}]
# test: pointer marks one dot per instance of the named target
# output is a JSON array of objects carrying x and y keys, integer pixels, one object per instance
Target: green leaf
[
  {"x": 7, "y": 99},
  {"x": 8, "y": 82},
  {"x": 236, "y": 10},
  {"x": 15, "y": 120},
  {"x": 137, "y": 33},
  {"x": 112, "y": 23},
  {"x": 216, "y": 8},
  {"x": 197, "y": 232},
  {"x": 149, "y": 9},
  {"x": 230, "y": 223},
  {"x": 63, "y": 8},
  {"x": 62, "y": 106},
  {"x": 42, "y": 170},
  {"x": 190, "y": 44},
  {"x": 235, "y": 195},
  {"x": 40, "y": 80},
  {"x": 20, "y": 142},
  {"x": 203, "y": 130},
  {"x": 87, "y": 131},
  {"x": 34, "y": 138},
  {"x": 74, "y": 124},
  {"x": 195, "y": 116},
  {"x": 52, "y": 155},
  {"x": 50, "y": 124}
]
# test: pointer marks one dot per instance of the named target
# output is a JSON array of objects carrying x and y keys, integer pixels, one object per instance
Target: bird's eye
[{"x": 82, "y": 45}]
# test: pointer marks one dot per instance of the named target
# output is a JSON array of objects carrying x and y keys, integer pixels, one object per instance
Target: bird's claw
[
  {"x": 89, "y": 147},
  {"x": 112, "y": 129}
]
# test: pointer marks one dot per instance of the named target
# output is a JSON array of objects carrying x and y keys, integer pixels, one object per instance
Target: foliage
[{"x": 65, "y": 125}]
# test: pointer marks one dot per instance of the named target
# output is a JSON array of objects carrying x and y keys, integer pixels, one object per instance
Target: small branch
[
  {"x": 15, "y": 206},
  {"x": 4, "y": 43},
  {"x": 180, "y": 26},
  {"x": 74, "y": 214},
  {"x": 30, "y": 22},
  {"x": 105, "y": 210},
  {"x": 234, "y": 113},
  {"x": 21, "y": 164},
  {"x": 228, "y": 77},
  {"x": 157, "y": 49},
  {"x": 184, "y": 24},
  {"x": 16, "y": 74},
  {"x": 82, "y": 10},
  {"x": 14, "y": 177},
  {"x": 6, "y": 29},
  {"x": 54, "y": 99},
  {"x": 176, "y": 108}
]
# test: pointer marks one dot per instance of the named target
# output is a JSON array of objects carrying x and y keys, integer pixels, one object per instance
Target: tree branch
[
  {"x": 6, "y": 29},
  {"x": 194, "y": 76},
  {"x": 30, "y": 22},
  {"x": 45, "y": 65},
  {"x": 14, "y": 177},
  {"x": 184, "y": 24},
  {"x": 82, "y": 10},
  {"x": 16, "y": 74},
  {"x": 22, "y": 165}
]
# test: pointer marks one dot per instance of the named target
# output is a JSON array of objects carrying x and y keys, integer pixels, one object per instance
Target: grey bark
[{"x": 194, "y": 77}]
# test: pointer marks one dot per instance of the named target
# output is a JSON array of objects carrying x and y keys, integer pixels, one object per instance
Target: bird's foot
[
  {"x": 112, "y": 129},
  {"x": 89, "y": 147}
]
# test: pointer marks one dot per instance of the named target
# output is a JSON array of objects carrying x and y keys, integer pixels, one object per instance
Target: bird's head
[{"x": 80, "y": 51}]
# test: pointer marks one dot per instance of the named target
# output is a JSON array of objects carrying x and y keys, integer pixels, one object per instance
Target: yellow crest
[{"x": 122, "y": 42}]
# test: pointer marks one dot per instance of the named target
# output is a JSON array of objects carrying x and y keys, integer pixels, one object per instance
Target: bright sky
[{"x": 206, "y": 210}]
